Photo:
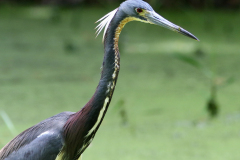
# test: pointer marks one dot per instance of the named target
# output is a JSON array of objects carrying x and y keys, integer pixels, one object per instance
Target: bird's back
[{"x": 40, "y": 142}]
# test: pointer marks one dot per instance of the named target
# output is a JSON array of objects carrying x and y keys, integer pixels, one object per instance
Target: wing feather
[{"x": 52, "y": 124}]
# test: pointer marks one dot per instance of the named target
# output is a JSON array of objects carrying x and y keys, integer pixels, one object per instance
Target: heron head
[{"x": 142, "y": 11}]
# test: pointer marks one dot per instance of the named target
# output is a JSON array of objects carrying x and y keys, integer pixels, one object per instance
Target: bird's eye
[{"x": 139, "y": 10}]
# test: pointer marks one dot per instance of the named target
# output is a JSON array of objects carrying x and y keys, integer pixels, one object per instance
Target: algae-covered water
[{"x": 50, "y": 63}]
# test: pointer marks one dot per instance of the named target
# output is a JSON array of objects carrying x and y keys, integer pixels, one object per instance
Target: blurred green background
[{"x": 168, "y": 88}]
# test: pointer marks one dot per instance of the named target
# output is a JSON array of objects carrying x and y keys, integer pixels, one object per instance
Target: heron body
[{"x": 65, "y": 136}]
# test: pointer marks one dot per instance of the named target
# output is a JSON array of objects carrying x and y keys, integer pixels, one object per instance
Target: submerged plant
[
  {"x": 122, "y": 112},
  {"x": 215, "y": 81}
]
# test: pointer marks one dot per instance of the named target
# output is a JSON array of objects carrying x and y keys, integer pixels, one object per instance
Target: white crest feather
[{"x": 105, "y": 21}]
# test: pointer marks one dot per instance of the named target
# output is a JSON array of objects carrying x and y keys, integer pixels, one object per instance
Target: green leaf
[
  {"x": 195, "y": 63},
  {"x": 8, "y": 122},
  {"x": 189, "y": 60}
]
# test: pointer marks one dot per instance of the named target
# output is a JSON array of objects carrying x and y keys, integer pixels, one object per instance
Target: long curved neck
[
  {"x": 111, "y": 61},
  {"x": 110, "y": 66},
  {"x": 80, "y": 129}
]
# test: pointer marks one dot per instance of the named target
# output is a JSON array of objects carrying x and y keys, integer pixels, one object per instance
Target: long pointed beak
[{"x": 155, "y": 18}]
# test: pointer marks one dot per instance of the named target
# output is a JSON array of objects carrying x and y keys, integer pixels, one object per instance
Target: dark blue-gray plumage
[
  {"x": 65, "y": 136},
  {"x": 42, "y": 141}
]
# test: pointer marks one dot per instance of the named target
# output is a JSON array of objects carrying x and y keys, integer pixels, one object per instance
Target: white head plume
[{"x": 105, "y": 21}]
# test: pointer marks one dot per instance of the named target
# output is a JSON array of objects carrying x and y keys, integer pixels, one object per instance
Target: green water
[{"x": 47, "y": 67}]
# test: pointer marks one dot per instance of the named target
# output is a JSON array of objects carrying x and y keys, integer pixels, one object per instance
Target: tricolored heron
[{"x": 65, "y": 136}]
